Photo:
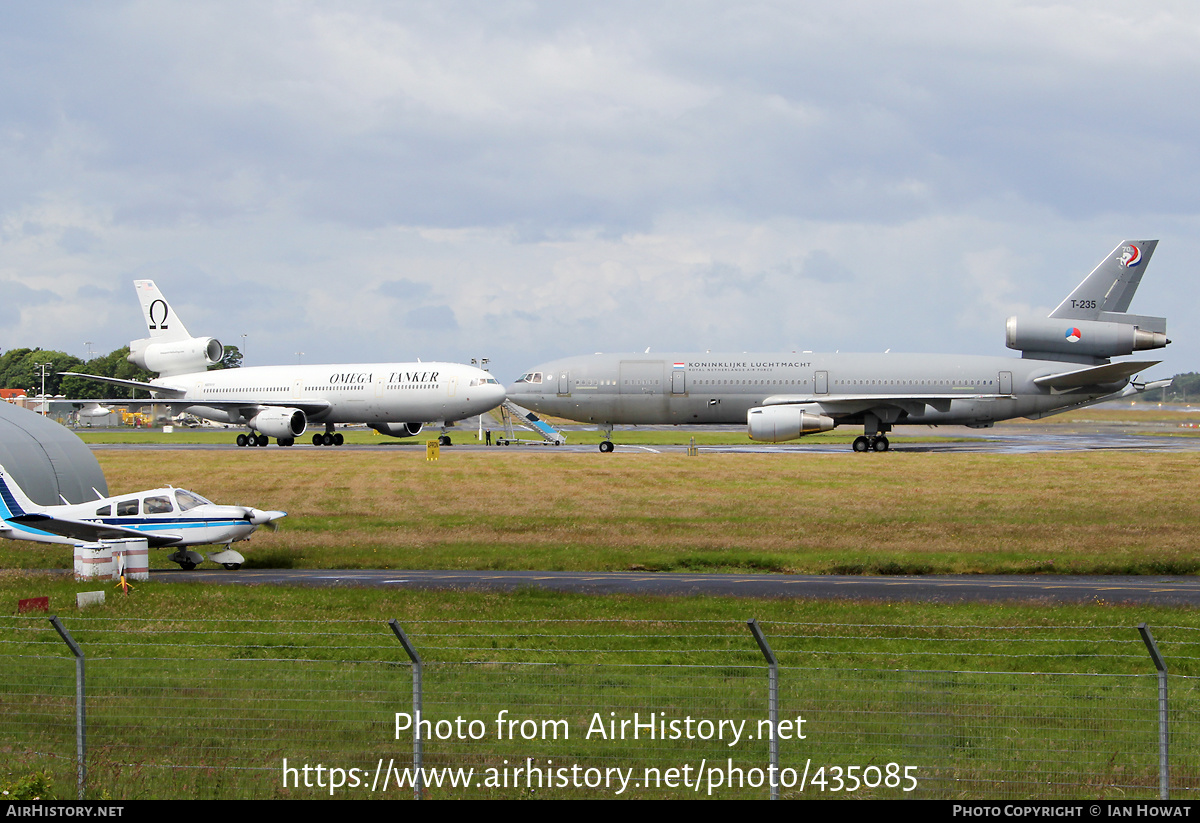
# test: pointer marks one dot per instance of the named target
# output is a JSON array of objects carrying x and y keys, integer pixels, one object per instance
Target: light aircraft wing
[
  {"x": 89, "y": 531},
  {"x": 1093, "y": 375}
]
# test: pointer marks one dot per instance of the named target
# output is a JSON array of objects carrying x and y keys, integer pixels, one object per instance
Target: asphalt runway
[
  {"x": 1166, "y": 590},
  {"x": 1013, "y": 440}
]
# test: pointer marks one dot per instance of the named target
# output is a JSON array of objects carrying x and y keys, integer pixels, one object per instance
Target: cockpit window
[
  {"x": 484, "y": 381},
  {"x": 156, "y": 505},
  {"x": 187, "y": 500},
  {"x": 531, "y": 377}
]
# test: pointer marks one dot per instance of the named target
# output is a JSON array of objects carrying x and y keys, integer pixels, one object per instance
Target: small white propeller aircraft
[{"x": 164, "y": 517}]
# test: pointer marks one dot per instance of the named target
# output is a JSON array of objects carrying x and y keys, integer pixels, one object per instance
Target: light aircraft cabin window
[
  {"x": 156, "y": 505},
  {"x": 104, "y": 511},
  {"x": 126, "y": 508},
  {"x": 187, "y": 501}
]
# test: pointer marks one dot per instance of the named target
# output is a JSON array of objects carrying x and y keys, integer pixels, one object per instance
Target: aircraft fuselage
[
  {"x": 722, "y": 388},
  {"x": 341, "y": 393}
]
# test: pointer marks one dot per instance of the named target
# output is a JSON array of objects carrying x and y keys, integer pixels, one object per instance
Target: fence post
[
  {"x": 80, "y": 718},
  {"x": 1164, "y": 782},
  {"x": 773, "y": 701},
  {"x": 416, "y": 699}
]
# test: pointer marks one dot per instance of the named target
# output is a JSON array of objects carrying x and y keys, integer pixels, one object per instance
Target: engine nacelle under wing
[
  {"x": 178, "y": 357},
  {"x": 397, "y": 429},
  {"x": 280, "y": 423},
  {"x": 775, "y": 424},
  {"x": 1090, "y": 338}
]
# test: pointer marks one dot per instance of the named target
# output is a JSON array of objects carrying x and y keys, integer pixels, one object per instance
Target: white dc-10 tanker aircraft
[
  {"x": 1065, "y": 364},
  {"x": 396, "y": 399},
  {"x": 164, "y": 517}
]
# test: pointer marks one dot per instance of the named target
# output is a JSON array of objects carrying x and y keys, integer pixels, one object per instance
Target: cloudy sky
[{"x": 522, "y": 181}]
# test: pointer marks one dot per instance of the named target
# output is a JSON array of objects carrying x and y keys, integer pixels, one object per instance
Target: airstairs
[{"x": 512, "y": 415}]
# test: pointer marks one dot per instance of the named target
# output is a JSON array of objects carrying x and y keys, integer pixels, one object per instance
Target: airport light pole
[{"x": 44, "y": 367}]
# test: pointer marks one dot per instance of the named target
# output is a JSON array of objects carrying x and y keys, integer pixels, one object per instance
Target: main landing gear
[
  {"x": 329, "y": 438},
  {"x": 873, "y": 439},
  {"x": 254, "y": 439},
  {"x": 862, "y": 443}
]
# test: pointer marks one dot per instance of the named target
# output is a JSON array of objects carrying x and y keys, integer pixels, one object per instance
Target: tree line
[{"x": 21, "y": 369}]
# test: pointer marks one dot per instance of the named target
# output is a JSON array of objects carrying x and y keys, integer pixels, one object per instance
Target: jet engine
[
  {"x": 397, "y": 429},
  {"x": 1088, "y": 338},
  {"x": 193, "y": 354},
  {"x": 280, "y": 423},
  {"x": 775, "y": 424}
]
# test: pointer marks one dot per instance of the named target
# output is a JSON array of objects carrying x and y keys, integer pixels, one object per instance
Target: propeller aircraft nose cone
[{"x": 258, "y": 517}]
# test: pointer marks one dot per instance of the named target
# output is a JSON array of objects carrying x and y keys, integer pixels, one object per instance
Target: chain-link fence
[{"x": 598, "y": 708}]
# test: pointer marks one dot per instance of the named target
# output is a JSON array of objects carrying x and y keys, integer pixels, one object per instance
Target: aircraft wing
[
  {"x": 841, "y": 405},
  {"x": 174, "y": 398},
  {"x": 90, "y": 531},
  {"x": 129, "y": 384}
]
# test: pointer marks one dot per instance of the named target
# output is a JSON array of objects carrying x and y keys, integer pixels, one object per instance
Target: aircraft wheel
[
  {"x": 263, "y": 440},
  {"x": 861, "y": 444},
  {"x": 285, "y": 441},
  {"x": 232, "y": 566},
  {"x": 606, "y": 446},
  {"x": 444, "y": 440},
  {"x": 338, "y": 439},
  {"x": 327, "y": 439},
  {"x": 241, "y": 441},
  {"x": 187, "y": 565},
  {"x": 881, "y": 444},
  {"x": 318, "y": 440}
]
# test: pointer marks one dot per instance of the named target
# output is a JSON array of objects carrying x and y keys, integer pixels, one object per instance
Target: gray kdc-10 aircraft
[{"x": 1065, "y": 364}]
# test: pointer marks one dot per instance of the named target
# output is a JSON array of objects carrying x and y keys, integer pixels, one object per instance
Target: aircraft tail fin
[
  {"x": 161, "y": 321},
  {"x": 13, "y": 501},
  {"x": 1110, "y": 287}
]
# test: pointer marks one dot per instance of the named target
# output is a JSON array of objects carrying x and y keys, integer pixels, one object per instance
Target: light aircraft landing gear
[
  {"x": 228, "y": 558},
  {"x": 186, "y": 559}
]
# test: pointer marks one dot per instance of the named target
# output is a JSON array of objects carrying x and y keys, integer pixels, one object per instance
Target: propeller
[{"x": 258, "y": 517}]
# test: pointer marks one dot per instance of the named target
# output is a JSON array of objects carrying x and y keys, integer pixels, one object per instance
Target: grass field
[
  {"x": 938, "y": 685},
  {"x": 1092, "y": 512},
  {"x": 200, "y": 691}
]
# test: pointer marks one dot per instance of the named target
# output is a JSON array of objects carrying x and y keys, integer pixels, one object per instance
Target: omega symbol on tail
[{"x": 162, "y": 324}]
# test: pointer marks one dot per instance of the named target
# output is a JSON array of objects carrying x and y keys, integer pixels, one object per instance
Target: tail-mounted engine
[
  {"x": 1049, "y": 338},
  {"x": 193, "y": 354}
]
